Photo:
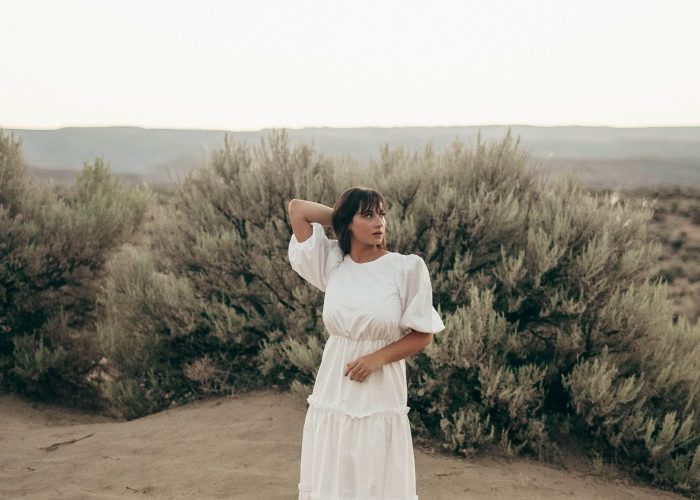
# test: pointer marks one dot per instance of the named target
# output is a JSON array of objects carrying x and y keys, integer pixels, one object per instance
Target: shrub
[
  {"x": 52, "y": 256},
  {"x": 551, "y": 315},
  {"x": 209, "y": 298}
]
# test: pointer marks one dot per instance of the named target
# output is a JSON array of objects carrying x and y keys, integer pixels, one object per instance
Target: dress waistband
[{"x": 358, "y": 340}]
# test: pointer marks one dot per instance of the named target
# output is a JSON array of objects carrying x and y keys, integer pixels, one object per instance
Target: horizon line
[{"x": 2, "y": 127}]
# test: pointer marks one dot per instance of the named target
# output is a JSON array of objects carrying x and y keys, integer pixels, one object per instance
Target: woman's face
[{"x": 368, "y": 226}]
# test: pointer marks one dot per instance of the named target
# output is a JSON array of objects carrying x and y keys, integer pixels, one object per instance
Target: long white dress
[{"x": 357, "y": 442}]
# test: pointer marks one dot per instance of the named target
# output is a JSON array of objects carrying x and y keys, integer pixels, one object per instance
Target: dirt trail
[{"x": 244, "y": 447}]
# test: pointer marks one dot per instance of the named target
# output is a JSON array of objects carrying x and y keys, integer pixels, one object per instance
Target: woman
[{"x": 378, "y": 309}]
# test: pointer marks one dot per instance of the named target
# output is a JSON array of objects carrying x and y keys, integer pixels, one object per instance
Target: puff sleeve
[
  {"x": 418, "y": 311},
  {"x": 315, "y": 258}
]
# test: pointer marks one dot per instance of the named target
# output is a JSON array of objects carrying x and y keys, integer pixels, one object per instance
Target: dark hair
[{"x": 346, "y": 207}]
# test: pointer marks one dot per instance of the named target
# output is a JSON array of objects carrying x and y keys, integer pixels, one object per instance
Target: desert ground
[{"x": 244, "y": 446}]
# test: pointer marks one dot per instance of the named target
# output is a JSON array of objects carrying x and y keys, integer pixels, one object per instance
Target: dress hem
[{"x": 308, "y": 494}]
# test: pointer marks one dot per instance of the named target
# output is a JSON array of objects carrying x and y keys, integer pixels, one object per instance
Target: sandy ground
[{"x": 243, "y": 447}]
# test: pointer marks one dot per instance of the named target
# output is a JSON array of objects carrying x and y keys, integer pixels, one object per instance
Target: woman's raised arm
[{"x": 302, "y": 213}]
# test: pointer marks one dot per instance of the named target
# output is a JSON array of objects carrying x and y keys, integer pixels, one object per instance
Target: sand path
[{"x": 243, "y": 447}]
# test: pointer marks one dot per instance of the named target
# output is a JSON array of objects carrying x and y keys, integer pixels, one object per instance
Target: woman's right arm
[{"x": 302, "y": 213}]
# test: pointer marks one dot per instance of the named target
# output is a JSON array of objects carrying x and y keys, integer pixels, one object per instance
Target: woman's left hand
[{"x": 360, "y": 368}]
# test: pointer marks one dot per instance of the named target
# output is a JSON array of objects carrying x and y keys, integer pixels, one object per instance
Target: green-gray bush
[
  {"x": 550, "y": 316},
  {"x": 209, "y": 301},
  {"x": 52, "y": 255}
]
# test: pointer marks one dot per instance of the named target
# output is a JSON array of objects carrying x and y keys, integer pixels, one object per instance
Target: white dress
[{"x": 357, "y": 442}]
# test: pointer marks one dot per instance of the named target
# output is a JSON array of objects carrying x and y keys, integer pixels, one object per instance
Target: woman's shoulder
[
  {"x": 404, "y": 267},
  {"x": 399, "y": 259},
  {"x": 404, "y": 264},
  {"x": 409, "y": 259},
  {"x": 410, "y": 266}
]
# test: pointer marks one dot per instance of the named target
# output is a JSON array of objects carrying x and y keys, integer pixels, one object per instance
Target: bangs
[{"x": 373, "y": 201}]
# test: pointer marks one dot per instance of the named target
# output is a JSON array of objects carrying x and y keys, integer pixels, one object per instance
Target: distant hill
[{"x": 601, "y": 156}]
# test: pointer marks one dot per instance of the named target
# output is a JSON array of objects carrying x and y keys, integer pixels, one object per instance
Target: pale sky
[{"x": 247, "y": 65}]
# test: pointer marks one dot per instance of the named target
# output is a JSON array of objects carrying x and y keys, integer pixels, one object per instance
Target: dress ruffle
[
  {"x": 317, "y": 405},
  {"x": 364, "y": 456}
]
